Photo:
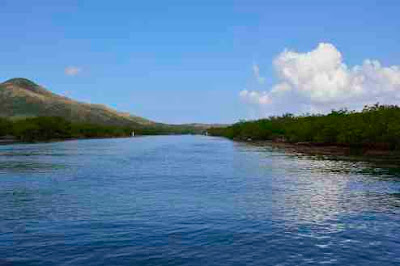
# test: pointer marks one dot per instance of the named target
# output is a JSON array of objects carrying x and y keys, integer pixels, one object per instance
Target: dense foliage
[
  {"x": 5, "y": 127},
  {"x": 375, "y": 126},
  {"x": 52, "y": 128}
]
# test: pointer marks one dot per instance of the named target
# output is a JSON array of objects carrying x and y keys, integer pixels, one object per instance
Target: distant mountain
[{"x": 20, "y": 98}]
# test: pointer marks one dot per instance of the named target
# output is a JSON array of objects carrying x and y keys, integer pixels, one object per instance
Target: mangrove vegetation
[
  {"x": 57, "y": 128},
  {"x": 376, "y": 126}
]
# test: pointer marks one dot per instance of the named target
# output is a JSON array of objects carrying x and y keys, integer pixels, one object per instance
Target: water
[{"x": 186, "y": 200}]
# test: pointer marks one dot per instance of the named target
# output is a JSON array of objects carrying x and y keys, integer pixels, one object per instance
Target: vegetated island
[
  {"x": 373, "y": 132},
  {"x": 31, "y": 113}
]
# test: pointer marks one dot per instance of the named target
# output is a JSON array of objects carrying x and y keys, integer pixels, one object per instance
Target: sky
[{"x": 209, "y": 61}]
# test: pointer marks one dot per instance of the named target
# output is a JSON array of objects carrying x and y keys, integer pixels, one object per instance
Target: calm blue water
[{"x": 186, "y": 200}]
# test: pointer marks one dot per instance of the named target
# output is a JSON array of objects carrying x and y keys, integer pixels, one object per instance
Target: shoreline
[
  {"x": 384, "y": 158},
  {"x": 16, "y": 141}
]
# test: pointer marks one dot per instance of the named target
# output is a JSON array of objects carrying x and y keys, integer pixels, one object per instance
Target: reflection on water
[
  {"x": 313, "y": 190},
  {"x": 30, "y": 158},
  {"x": 18, "y": 166},
  {"x": 192, "y": 201}
]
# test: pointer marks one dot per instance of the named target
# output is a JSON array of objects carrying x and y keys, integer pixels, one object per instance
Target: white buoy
[{"x": 133, "y": 133}]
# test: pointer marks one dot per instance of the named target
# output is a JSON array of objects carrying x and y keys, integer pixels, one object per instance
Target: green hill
[{"x": 22, "y": 98}]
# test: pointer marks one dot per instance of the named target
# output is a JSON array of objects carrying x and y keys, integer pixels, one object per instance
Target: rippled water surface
[{"x": 186, "y": 200}]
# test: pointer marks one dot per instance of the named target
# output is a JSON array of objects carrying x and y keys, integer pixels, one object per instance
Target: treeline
[
  {"x": 54, "y": 128},
  {"x": 376, "y": 126}
]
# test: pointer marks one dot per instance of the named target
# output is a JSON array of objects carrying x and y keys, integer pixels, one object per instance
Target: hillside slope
[{"x": 21, "y": 98}]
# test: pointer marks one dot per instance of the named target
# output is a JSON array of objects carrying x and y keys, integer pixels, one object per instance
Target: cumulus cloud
[
  {"x": 255, "y": 97},
  {"x": 72, "y": 70},
  {"x": 319, "y": 81}
]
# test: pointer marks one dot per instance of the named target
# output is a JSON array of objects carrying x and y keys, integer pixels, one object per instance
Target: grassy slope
[{"x": 21, "y": 98}]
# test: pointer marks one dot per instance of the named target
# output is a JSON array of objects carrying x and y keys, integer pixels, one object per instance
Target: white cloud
[
  {"x": 256, "y": 72},
  {"x": 72, "y": 70},
  {"x": 255, "y": 97},
  {"x": 320, "y": 81}
]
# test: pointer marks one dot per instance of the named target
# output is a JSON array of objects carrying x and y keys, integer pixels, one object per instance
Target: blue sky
[{"x": 182, "y": 61}]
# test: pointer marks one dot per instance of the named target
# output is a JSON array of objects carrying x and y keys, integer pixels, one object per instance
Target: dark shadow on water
[{"x": 18, "y": 166}]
